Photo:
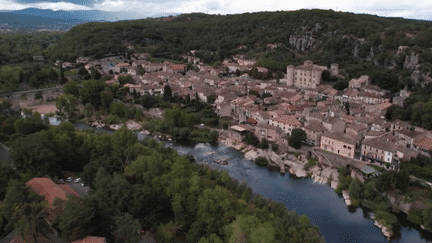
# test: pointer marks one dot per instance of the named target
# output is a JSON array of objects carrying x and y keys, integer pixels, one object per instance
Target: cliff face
[{"x": 303, "y": 43}]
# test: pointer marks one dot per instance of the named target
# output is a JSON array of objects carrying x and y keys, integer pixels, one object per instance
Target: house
[
  {"x": 271, "y": 133},
  {"x": 357, "y": 129},
  {"x": 373, "y": 89},
  {"x": 333, "y": 124},
  {"x": 174, "y": 68},
  {"x": 386, "y": 148},
  {"x": 223, "y": 109},
  {"x": 407, "y": 135},
  {"x": 398, "y": 125},
  {"x": 122, "y": 67},
  {"x": 92, "y": 239},
  {"x": 238, "y": 132},
  {"x": 314, "y": 130},
  {"x": 423, "y": 145},
  {"x": 133, "y": 71},
  {"x": 359, "y": 83},
  {"x": 307, "y": 75},
  {"x": 286, "y": 122},
  {"x": 338, "y": 143}
]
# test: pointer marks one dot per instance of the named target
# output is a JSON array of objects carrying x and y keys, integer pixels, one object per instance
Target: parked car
[
  {"x": 69, "y": 179},
  {"x": 77, "y": 180}
]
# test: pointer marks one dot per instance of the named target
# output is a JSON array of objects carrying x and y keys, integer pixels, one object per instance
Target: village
[{"x": 349, "y": 124}]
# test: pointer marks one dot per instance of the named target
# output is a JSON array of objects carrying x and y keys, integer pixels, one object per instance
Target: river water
[{"x": 337, "y": 221}]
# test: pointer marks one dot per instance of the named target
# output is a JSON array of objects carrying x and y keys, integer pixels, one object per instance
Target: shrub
[
  {"x": 261, "y": 161},
  {"x": 312, "y": 162},
  {"x": 386, "y": 218}
]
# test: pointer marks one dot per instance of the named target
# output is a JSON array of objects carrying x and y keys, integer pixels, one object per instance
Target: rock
[
  {"x": 303, "y": 43},
  {"x": 411, "y": 62},
  {"x": 347, "y": 198}
]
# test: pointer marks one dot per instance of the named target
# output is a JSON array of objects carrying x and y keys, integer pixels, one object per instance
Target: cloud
[
  {"x": 387, "y": 8},
  {"x": 7, "y": 5}
]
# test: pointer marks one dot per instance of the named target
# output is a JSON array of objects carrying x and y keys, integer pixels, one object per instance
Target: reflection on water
[{"x": 337, "y": 221}]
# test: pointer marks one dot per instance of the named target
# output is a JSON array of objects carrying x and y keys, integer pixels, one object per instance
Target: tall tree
[
  {"x": 167, "y": 93},
  {"x": 90, "y": 92},
  {"x": 127, "y": 228}
]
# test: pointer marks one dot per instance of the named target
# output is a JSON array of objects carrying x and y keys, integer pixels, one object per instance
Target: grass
[{"x": 311, "y": 162}]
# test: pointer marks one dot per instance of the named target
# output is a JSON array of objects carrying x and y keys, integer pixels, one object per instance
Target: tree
[
  {"x": 82, "y": 70},
  {"x": 76, "y": 218},
  {"x": 35, "y": 155},
  {"x": 72, "y": 88},
  {"x": 90, "y": 92},
  {"x": 67, "y": 104},
  {"x": 27, "y": 216},
  {"x": 325, "y": 75},
  {"x": 248, "y": 228},
  {"x": 127, "y": 228},
  {"x": 197, "y": 102},
  {"x": 107, "y": 97},
  {"x": 53, "y": 75},
  {"x": 237, "y": 72},
  {"x": 296, "y": 138},
  {"x": 211, "y": 98},
  {"x": 95, "y": 74},
  {"x": 34, "y": 82},
  {"x": 167, "y": 93},
  {"x": 21, "y": 77}
]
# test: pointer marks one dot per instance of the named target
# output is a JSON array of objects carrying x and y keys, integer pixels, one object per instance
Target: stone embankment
[{"x": 386, "y": 231}]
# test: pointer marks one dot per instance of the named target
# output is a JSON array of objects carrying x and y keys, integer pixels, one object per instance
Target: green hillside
[{"x": 361, "y": 44}]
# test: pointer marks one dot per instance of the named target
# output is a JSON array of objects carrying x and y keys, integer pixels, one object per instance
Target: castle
[{"x": 308, "y": 75}]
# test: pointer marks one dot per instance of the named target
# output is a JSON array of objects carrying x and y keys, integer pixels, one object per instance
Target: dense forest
[{"x": 137, "y": 185}]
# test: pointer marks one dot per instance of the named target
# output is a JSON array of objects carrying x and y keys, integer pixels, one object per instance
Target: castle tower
[
  {"x": 290, "y": 75},
  {"x": 334, "y": 69}
]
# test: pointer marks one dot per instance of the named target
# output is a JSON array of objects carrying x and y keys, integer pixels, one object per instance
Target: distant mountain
[
  {"x": 34, "y": 19},
  {"x": 85, "y": 15}
]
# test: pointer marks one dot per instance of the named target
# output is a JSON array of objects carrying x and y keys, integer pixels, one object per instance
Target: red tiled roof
[
  {"x": 47, "y": 188},
  {"x": 177, "y": 67},
  {"x": 66, "y": 188},
  {"x": 425, "y": 142},
  {"x": 252, "y": 121},
  {"x": 91, "y": 239}
]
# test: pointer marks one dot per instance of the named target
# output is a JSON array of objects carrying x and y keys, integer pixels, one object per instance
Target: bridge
[{"x": 47, "y": 94}]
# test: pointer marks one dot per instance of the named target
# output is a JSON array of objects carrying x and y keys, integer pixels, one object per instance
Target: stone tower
[
  {"x": 290, "y": 75},
  {"x": 334, "y": 69}
]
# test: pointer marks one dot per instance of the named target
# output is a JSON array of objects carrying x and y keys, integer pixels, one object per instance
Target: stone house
[
  {"x": 314, "y": 130},
  {"x": 333, "y": 124},
  {"x": 382, "y": 149},
  {"x": 399, "y": 125},
  {"x": 307, "y": 75},
  {"x": 379, "y": 124},
  {"x": 339, "y": 144},
  {"x": 359, "y": 83},
  {"x": 286, "y": 123},
  {"x": 133, "y": 71},
  {"x": 373, "y": 89},
  {"x": 223, "y": 109},
  {"x": 423, "y": 145},
  {"x": 268, "y": 132},
  {"x": 357, "y": 129},
  {"x": 407, "y": 135}
]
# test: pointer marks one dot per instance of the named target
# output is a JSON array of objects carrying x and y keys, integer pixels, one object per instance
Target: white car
[
  {"x": 69, "y": 179},
  {"x": 78, "y": 180}
]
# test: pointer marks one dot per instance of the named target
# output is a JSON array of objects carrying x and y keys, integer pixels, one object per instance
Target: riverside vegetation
[{"x": 137, "y": 185}]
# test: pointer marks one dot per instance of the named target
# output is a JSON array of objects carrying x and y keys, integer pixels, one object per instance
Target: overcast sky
[{"x": 417, "y": 9}]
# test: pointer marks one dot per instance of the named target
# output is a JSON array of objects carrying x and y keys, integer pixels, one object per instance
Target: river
[{"x": 337, "y": 221}]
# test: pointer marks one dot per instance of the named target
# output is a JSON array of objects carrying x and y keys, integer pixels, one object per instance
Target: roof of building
[
  {"x": 289, "y": 120},
  {"x": 340, "y": 137},
  {"x": 368, "y": 170},
  {"x": 425, "y": 142},
  {"x": 47, "y": 188},
  {"x": 315, "y": 126}
]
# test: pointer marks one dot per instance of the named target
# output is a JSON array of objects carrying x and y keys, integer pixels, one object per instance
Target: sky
[{"x": 417, "y": 9}]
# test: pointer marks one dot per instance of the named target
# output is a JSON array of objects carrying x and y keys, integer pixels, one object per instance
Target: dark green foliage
[
  {"x": 296, "y": 138},
  {"x": 90, "y": 92},
  {"x": 261, "y": 161},
  {"x": 211, "y": 98},
  {"x": 167, "y": 93},
  {"x": 72, "y": 88},
  {"x": 251, "y": 139}
]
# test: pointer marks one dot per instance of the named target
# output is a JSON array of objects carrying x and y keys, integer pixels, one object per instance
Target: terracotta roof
[
  {"x": 122, "y": 65},
  {"x": 91, "y": 239},
  {"x": 252, "y": 121},
  {"x": 66, "y": 188},
  {"x": 425, "y": 142},
  {"x": 315, "y": 126},
  {"x": 289, "y": 120},
  {"x": 47, "y": 188},
  {"x": 178, "y": 67}
]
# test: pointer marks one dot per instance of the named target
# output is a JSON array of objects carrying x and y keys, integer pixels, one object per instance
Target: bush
[
  {"x": 261, "y": 161},
  {"x": 166, "y": 233},
  {"x": 369, "y": 204},
  {"x": 386, "y": 218},
  {"x": 415, "y": 215},
  {"x": 311, "y": 162}
]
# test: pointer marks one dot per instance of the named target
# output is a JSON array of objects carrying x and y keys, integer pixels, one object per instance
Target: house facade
[{"x": 339, "y": 144}]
